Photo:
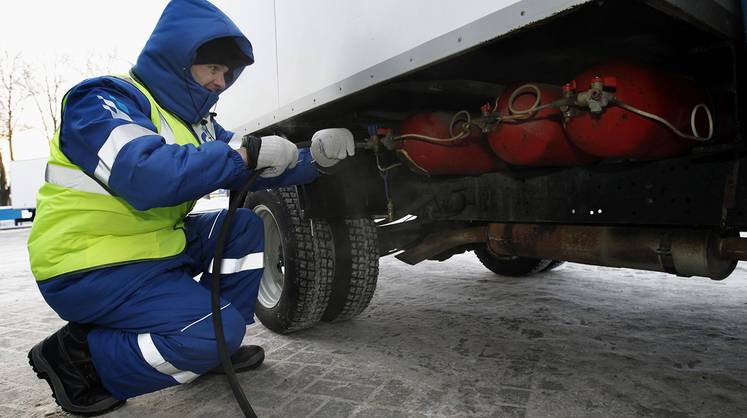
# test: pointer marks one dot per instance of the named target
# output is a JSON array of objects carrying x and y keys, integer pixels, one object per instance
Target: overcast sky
[
  {"x": 42, "y": 30},
  {"x": 76, "y": 27}
]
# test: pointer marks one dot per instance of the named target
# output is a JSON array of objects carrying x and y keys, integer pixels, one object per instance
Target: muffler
[{"x": 684, "y": 252}]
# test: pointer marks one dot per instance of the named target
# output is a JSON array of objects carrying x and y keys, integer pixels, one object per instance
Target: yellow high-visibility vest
[{"x": 80, "y": 225}]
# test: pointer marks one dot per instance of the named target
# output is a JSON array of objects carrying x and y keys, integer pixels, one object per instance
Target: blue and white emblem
[{"x": 111, "y": 106}]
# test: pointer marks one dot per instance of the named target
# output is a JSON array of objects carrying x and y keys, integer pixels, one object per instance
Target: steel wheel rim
[{"x": 273, "y": 278}]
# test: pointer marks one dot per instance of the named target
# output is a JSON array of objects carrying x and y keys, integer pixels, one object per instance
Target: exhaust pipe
[{"x": 684, "y": 252}]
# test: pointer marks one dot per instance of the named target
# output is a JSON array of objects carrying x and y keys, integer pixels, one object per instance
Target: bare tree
[
  {"x": 12, "y": 95},
  {"x": 100, "y": 63},
  {"x": 46, "y": 83},
  {"x": 45, "y": 86},
  {"x": 4, "y": 189}
]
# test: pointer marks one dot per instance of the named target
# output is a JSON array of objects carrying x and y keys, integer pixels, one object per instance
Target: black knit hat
[{"x": 222, "y": 51}]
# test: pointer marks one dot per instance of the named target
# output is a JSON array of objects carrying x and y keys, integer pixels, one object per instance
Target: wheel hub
[{"x": 271, "y": 287}]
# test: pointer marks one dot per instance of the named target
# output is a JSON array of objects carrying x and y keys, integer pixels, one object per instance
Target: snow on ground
[
  {"x": 213, "y": 203},
  {"x": 453, "y": 339}
]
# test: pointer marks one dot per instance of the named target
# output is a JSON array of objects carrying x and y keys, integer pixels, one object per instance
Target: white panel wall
[
  {"x": 255, "y": 92},
  {"x": 321, "y": 42},
  {"x": 305, "y": 46},
  {"x": 26, "y": 177}
]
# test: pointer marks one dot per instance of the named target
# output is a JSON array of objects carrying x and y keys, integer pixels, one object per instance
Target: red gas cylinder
[
  {"x": 466, "y": 156},
  {"x": 539, "y": 140},
  {"x": 618, "y": 132}
]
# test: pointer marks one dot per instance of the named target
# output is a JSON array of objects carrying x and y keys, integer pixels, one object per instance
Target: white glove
[
  {"x": 276, "y": 154},
  {"x": 329, "y": 146}
]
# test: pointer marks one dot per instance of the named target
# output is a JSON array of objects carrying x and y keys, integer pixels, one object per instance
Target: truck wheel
[
  {"x": 297, "y": 279},
  {"x": 511, "y": 265},
  {"x": 356, "y": 267},
  {"x": 553, "y": 265}
]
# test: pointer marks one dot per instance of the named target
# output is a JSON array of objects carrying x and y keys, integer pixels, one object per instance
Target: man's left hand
[{"x": 329, "y": 146}]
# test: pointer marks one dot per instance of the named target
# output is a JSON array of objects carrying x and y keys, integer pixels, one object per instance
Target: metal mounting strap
[{"x": 664, "y": 253}]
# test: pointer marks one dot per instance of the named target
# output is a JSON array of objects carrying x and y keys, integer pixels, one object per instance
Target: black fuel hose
[{"x": 225, "y": 356}]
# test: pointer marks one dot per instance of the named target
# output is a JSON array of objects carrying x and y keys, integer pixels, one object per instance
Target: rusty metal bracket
[{"x": 438, "y": 242}]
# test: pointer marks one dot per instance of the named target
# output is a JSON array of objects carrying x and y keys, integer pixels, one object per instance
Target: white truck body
[
  {"x": 26, "y": 177},
  {"x": 374, "y": 67},
  {"x": 312, "y": 53}
]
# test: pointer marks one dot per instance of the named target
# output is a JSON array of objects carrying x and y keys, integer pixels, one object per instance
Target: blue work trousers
[{"x": 154, "y": 326}]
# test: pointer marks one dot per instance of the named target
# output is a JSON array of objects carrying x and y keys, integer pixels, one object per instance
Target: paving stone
[
  {"x": 301, "y": 379},
  {"x": 296, "y": 345},
  {"x": 509, "y": 412},
  {"x": 344, "y": 390},
  {"x": 7, "y": 411},
  {"x": 421, "y": 349},
  {"x": 512, "y": 396},
  {"x": 265, "y": 399},
  {"x": 308, "y": 357},
  {"x": 300, "y": 406},
  {"x": 270, "y": 345},
  {"x": 518, "y": 374},
  {"x": 9, "y": 394},
  {"x": 28, "y": 335},
  {"x": 355, "y": 375},
  {"x": 282, "y": 353},
  {"x": 336, "y": 409},
  {"x": 276, "y": 373},
  {"x": 386, "y": 413},
  {"x": 13, "y": 343},
  {"x": 393, "y": 393},
  {"x": 426, "y": 400}
]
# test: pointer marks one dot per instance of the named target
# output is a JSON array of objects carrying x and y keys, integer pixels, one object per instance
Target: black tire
[
  {"x": 553, "y": 265},
  {"x": 511, "y": 265},
  {"x": 297, "y": 281},
  {"x": 356, "y": 267}
]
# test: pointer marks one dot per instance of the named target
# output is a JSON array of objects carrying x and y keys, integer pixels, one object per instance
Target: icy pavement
[{"x": 452, "y": 339}]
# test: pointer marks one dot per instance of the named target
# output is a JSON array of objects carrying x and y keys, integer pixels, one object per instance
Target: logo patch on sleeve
[{"x": 111, "y": 106}]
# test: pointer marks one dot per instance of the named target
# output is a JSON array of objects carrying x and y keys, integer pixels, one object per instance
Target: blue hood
[{"x": 165, "y": 61}]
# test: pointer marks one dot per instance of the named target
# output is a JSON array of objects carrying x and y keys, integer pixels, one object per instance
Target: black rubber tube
[
  {"x": 225, "y": 356},
  {"x": 220, "y": 338}
]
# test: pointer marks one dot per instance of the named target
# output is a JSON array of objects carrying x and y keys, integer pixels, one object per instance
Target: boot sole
[{"x": 44, "y": 371}]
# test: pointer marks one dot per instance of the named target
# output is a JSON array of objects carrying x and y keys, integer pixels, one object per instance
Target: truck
[
  {"x": 26, "y": 177},
  {"x": 532, "y": 132}
]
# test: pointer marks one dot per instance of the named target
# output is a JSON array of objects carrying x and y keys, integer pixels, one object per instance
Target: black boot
[
  {"x": 64, "y": 361},
  {"x": 247, "y": 357}
]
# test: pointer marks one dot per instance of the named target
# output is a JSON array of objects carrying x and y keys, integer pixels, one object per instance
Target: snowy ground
[
  {"x": 214, "y": 203},
  {"x": 453, "y": 339}
]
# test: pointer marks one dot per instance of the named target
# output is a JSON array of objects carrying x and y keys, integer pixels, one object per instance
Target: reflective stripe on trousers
[
  {"x": 156, "y": 360},
  {"x": 234, "y": 265}
]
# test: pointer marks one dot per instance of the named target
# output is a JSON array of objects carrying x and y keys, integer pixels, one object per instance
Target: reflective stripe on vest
[
  {"x": 72, "y": 179},
  {"x": 118, "y": 138},
  {"x": 166, "y": 132}
]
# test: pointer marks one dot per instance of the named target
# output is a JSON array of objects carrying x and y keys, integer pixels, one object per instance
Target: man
[{"x": 112, "y": 248}]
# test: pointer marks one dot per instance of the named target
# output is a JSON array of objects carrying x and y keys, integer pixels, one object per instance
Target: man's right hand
[{"x": 272, "y": 153}]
